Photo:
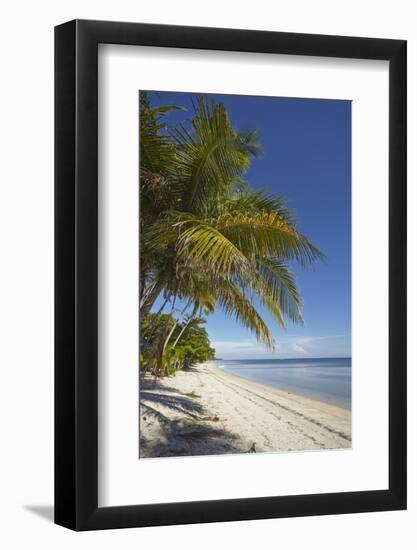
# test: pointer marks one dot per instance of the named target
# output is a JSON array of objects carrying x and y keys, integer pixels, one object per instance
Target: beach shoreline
[
  {"x": 315, "y": 401},
  {"x": 208, "y": 411}
]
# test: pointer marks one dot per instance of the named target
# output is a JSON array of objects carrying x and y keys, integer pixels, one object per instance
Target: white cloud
[
  {"x": 298, "y": 348},
  {"x": 234, "y": 347},
  {"x": 292, "y": 346}
]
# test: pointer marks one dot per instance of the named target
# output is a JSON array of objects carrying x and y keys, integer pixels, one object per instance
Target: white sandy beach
[{"x": 207, "y": 411}]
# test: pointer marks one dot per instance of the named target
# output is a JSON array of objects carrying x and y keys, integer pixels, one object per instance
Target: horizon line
[{"x": 285, "y": 358}]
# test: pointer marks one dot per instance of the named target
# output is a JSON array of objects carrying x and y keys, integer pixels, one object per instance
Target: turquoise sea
[{"x": 325, "y": 379}]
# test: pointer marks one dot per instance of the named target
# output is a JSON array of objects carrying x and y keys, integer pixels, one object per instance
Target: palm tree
[{"x": 205, "y": 235}]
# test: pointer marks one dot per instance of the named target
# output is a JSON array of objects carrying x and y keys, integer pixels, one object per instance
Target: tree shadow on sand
[
  {"x": 187, "y": 432},
  {"x": 150, "y": 384},
  {"x": 177, "y": 403}
]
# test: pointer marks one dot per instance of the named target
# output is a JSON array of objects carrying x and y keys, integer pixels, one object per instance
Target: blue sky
[{"x": 306, "y": 159}]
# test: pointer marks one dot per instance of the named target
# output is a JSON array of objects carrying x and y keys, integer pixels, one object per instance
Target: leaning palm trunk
[
  {"x": 154, "y": 321},
  {"x": 182, "y": 331},
  {"x": 149, "y": 296},
  {"x": 186, "y": 325},
  {"x": 208, "y": 230},
  {"x": 180, "y": 318}
]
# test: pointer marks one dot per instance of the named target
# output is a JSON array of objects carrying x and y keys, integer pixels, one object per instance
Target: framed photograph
[{"x": 230, "y": 252}]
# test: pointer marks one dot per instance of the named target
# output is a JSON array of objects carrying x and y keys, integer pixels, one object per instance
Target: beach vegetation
[
  {"x": 168, "y": 346},
  {"x": 207, "y": 238}
]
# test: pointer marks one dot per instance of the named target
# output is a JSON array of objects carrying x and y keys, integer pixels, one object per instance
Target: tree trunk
[
  {"x": 192, "y": 316},
  {"x": 148, "y": 298},
  {"x": 187, "y": 305}
]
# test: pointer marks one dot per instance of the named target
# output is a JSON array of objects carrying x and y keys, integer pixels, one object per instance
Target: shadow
[
  {"x": 44, "y": 512},
  {"x": 189, "y": 431},
  {"x": 196, "y": 438},
  {"x": 192, "y": 368},
  {"x": 149, "y": 384},
  {"x": 176, "y": 403},
  {"x": 190, "y": 434}
]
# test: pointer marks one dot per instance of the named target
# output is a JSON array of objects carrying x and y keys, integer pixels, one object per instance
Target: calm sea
[{"x": 325, "y": 379}]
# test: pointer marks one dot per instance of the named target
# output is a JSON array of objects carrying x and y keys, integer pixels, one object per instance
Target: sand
[{"x": 207, "y": 411}]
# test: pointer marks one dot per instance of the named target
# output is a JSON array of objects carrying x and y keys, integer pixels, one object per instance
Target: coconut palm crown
[{"x": 206, "y": 237}]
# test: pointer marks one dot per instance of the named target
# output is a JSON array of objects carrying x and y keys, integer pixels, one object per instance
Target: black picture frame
[{"x": 76, "y": 272}]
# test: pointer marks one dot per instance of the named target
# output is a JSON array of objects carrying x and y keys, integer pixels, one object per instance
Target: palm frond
[
  {"x": 205, "y": 236},
  {"x": 257, "y": 202},
  {"x": 209, "y": 156},
  {"x": 267, "y": 234},
  {"x": 235, "y": 304},
  {"x": 157, "y": 150},
  {"x": 280, "y": 280}
]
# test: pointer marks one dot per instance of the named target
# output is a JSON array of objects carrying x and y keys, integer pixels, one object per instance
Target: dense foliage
[
  {"x": 207, "y": 239},
  {"x": 168, "y": 345}
]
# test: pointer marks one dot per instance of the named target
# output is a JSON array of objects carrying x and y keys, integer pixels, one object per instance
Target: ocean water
[{"x": 327, "y": 380}]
